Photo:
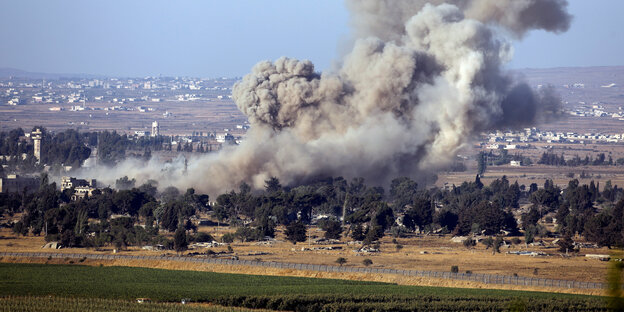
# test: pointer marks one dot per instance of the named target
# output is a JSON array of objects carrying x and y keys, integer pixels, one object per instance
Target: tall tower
[
  {"x": 36, "y": 137},
  {"x": 155, "y": 129}
]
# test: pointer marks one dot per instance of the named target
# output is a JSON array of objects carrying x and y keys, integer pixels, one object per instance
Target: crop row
[
  {"x": 362, "y": 303},
  {"x": 58, "y": 304}
]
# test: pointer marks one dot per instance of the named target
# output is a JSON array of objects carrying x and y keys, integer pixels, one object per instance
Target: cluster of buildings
[
  {"x": 12, "y": 96},
  {"x": 596, "y": 110},
  {"x": 18, "y": 91},
  {"x": 518, "y": 139},
  {"x": 82, "y": 188},
  {"x": 14, "y": 183}
]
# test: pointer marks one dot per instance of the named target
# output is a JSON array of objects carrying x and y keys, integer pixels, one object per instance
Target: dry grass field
[
  {"x": 186, "y": 117},
  {"x": 418, "y": 253},
  {"x": 538, "y": 174}
]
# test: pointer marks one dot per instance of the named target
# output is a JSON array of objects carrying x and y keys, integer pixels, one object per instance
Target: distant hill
[
  {"x": 7, "y": 72},
  {"x": 591, "y": 77}
]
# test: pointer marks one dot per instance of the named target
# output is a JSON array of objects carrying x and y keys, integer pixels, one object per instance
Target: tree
[
  {"x": 180, "y": 243},
  {"x": 203, "y": 237},
  {"x": 373, "y": 233},
  {"x": 296, "y": 232},
  {"x": 124, "y": 183},
  {"x": 367, "y": 262},
  {"x": 530, "y": 218},
  {"x": 402, "y": 191},
  {"x": 246, "y": 234},
  {"x": 357, "y": 233},
  {"x": 566, "y": 244},
  {"x": 272, "y": 185},
  {"x": 421, "y": 213},
  {"x": 529, "y": 235},
  {"x": 498, "y": 242},
  {"x": 332, "y": 229},
  {"x": 481, "y": 163},
  {"x": 341, "y": 261},
  {"x": 446, "y": 218}
]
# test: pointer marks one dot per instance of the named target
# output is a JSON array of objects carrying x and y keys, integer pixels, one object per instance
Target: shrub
[
  {"x": 367, "y": 262},
  {"x": 469, "y": 243},
  {"x": 341, "y": 261},
  {"x": 398, "y": 231},
  {"x": 202, "y": 237},
  {"x": 488, "y": 242},
  {"x": 454, "y": 269},
  {"x": 227, "y": 238}
]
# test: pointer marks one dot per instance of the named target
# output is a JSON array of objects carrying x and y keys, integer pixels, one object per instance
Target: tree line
[
  {"x": 601, "y": 159},
  {"x": 133, "y": 216}
]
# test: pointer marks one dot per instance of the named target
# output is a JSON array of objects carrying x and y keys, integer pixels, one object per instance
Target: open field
[
  {"x": 281, "y": 293},
  {"x": 418, "y": 253},
  {"x": 538, "y": 174},
  {"x": 205, "y": 116}
]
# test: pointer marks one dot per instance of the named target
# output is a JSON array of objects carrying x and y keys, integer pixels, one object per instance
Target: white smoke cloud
[{"x": 420, "y": 80}]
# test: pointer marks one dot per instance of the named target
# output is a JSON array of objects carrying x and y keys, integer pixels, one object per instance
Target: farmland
[
  {"x": 35, "y": 304},
  {"x": 418, "y": 253},
  {"x": 269, "y": 292}
]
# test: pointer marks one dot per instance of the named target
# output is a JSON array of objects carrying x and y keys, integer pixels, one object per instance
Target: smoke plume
[{"x": 421, "y": 79}]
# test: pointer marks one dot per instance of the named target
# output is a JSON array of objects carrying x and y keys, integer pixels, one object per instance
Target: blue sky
[{"x": 209, "y": 38}]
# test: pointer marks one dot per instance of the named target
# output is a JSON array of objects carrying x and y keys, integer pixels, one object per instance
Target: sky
[{"x": 214, "y": 38}]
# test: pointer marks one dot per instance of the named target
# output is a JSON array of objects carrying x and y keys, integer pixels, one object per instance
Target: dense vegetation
[
  {"x": 270, "y": 292},
  {"x": 135, "y": 216},
  {"x": 115, "y": 215},
  {"x": 72, "y": 148}
]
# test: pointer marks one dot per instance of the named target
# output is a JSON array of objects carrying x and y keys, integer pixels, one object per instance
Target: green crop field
[
  {"x": 270, "y": 292},
  {"x": 36, "y": 304}
]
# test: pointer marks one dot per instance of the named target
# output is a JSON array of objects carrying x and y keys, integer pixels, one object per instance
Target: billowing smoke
[{"x": 421, "y": 79}]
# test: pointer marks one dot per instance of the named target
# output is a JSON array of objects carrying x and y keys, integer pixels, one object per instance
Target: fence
[{"x": 480, "y": 278}]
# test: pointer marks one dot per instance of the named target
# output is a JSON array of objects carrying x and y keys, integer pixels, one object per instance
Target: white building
[{"x": 155, "y": 129}]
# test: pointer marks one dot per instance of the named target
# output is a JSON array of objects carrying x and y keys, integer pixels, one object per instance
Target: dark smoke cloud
[{"x": 422, "y": 77}]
